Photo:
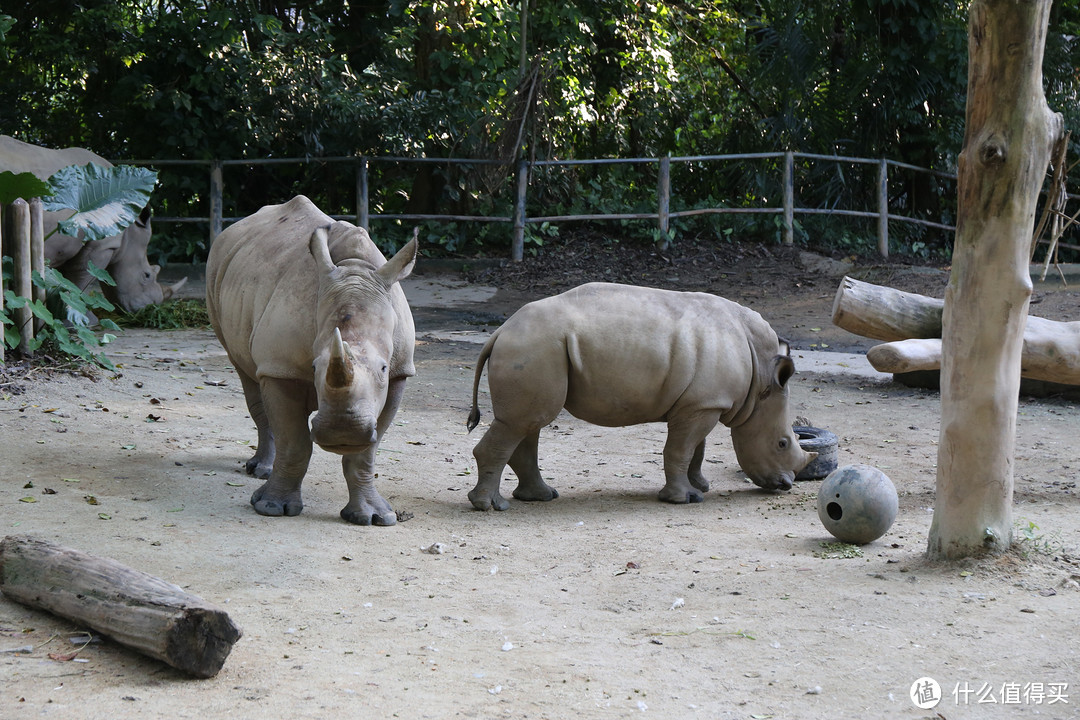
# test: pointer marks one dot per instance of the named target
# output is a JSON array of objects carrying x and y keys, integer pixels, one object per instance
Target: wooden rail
[{"x": 518, "y": 220}]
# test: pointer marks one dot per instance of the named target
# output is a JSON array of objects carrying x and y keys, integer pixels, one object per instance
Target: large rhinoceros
[
  {"x": 619, "y": 355},
  {"x": 314, "y": 320},
  {"x": 124, "y": 255}
]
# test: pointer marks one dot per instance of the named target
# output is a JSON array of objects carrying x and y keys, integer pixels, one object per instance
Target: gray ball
[{"x": 857, "y": 503}]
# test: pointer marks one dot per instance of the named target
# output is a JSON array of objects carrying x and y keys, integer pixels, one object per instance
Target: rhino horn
[
  {"x": 167, "y": 291},
  {"x": 339, "y": 371}
]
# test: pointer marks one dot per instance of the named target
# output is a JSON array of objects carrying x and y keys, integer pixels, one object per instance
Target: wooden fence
[
  {"x": 22, "y": 236},
  {"x": 663, "y": 216}
]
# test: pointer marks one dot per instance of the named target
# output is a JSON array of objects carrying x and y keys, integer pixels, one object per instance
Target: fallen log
[
  {"x": 884, "y": 313},
  {"x": 133, "y": 608},
  {"x": 1051, "y": 352}
]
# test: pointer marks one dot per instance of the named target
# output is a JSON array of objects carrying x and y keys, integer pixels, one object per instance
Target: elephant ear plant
[{"x": 104, "y": 201}]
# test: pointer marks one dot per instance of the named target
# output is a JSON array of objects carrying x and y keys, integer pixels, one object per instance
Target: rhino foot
[
  {"x": 542, "y": 494},
  {"x": 365, "y": 516},
  {"x": 700, "y": 483},
  {"x": 257, "y": 468},
  {"x": 266, "y": 503},
  {"x": 487, "y": 501},
  {"x": 681, "y": 496}
]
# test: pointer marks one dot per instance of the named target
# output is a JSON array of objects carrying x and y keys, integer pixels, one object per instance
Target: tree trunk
[
  {"x": 138, "y": 610},
  {"x": 1009, "y": 133}
]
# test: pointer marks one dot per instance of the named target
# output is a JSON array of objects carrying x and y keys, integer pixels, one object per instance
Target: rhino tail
[{"x": 485, "y": 353}]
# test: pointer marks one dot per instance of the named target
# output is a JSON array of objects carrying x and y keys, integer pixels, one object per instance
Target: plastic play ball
[{"x": 857, "y": 503}]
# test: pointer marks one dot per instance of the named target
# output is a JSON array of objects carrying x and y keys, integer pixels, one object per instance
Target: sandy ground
[{"x": 604, "y": 603}]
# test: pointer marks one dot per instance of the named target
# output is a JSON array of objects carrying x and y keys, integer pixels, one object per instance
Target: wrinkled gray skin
[
  {"x": 124, "y": 255},
  {"x": 617, "y": 355},
  {"x": 314, "y": 320}
]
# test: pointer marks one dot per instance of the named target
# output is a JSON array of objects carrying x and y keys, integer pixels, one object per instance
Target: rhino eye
[
  {"x": 384, "y": 369},
  {"x": 784, "y": 443}
]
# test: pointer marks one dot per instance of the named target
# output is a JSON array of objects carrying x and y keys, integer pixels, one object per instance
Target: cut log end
[{"x": 133, "y": 608}]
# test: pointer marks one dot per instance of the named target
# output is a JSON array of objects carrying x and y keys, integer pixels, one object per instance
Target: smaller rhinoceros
[
  {"x": 314, "y": 320},
  {"x": 618, "y": 355}
]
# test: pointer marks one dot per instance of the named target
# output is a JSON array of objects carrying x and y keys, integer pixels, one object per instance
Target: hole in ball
[{"x": 835, "y": 511}]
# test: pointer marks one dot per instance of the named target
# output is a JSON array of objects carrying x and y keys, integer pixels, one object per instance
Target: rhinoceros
[
  {"x": 618, "y": 355},
  {"x": 124, "y": 255},
  {"x": 313, "y": 319}
]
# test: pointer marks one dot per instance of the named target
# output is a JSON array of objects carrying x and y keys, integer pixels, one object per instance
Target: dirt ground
[{"x": 603, "y": 603}]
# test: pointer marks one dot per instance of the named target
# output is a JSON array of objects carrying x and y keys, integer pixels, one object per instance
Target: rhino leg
[
  {"x": 262, "y": 461},
  {"x": 526, "y": 465},
  {"x": 366, "y": 506},
  {"x": 285, "y": 403},
  {"x": 683, "y": 455},
  {"x": 694, "y": 471},
  {"x": 492, "y": 453}
]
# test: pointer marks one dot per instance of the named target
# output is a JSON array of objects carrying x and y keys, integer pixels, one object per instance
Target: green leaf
[
  {"x": 23, "y": 185},
  {"x": 105, "y": 200},
  {"x": 100, "y": 273}
]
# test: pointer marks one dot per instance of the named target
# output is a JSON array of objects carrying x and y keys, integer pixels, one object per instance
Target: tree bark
[
  {"x": 1051, "y": 352},
  {"x": 884, "y": 313},
  {"x": 138, "y": 610},
  {"x": 1009, "y": 133}
]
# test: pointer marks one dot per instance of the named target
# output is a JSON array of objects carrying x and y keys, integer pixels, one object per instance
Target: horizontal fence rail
[{"x": 519, "y": 219}]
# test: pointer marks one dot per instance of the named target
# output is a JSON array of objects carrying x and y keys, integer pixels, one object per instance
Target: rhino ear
[
  {"x": 320, "y": 250},
  {"x": 783, "y": 367},
  {"x": 398, "y": 267}
]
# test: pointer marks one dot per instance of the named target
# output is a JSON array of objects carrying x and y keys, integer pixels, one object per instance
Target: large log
[
  {"x": 135, "y": 609},
  {"x": 884, "y": 313},
  {"x": 1051, "y": 352}
]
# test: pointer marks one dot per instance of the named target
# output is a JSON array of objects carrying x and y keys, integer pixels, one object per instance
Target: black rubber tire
[{"x": 825, "y": 444}]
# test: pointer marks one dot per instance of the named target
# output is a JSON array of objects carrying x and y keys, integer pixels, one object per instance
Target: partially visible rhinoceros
[
  {"x": 617, "y": 355},
  {"x": 124, "y": 255},
  {"x": 314, "y": 320}
]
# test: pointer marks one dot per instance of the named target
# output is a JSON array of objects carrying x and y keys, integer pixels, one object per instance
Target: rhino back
[{"x": 633, "y": 352}]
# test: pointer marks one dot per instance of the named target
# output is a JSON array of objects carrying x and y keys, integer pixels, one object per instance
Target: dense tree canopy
[{"x": 227, "y": 79}]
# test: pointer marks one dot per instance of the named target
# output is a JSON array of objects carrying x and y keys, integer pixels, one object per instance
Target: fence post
[
  {"x": 37, "y": 252},
  {"x": 789, "y": 198},
  {"x": 216, "y": 204},
  {"x": 3, "y": 218},
  {"x": 883, "y": 208},
  {"x": 663, "y": 197},
  {"x": 362, "y": 215},
  {"x": 517, "y": 245},
  {"x": 20, "y": 256}
]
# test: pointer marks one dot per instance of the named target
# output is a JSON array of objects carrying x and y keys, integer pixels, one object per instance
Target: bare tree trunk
[{"x": 1009, "y": 133}]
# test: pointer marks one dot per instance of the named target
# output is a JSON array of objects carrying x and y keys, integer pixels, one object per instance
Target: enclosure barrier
[
  {"x": 519, "y": 219},
  {"x": 22, "y": 235}
]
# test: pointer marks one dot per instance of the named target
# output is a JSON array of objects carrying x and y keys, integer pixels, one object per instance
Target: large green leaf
[
  {"x": 24, "y": 185},
  {"x": 105, "y": 200}
]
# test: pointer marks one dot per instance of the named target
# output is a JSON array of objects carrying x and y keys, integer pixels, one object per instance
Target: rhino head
[
  {"x": 136, "y": 279},
  {"x": 353, "y": 350},
  {"x": 766, "y": 447}
]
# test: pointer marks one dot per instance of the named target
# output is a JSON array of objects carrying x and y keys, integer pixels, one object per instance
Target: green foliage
[
  {"x": 174, "y": 315},
  {"x": 74, "y": 337},
  {"x": 105, "y": 200},
  {"x": 22, "y": 185}
]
